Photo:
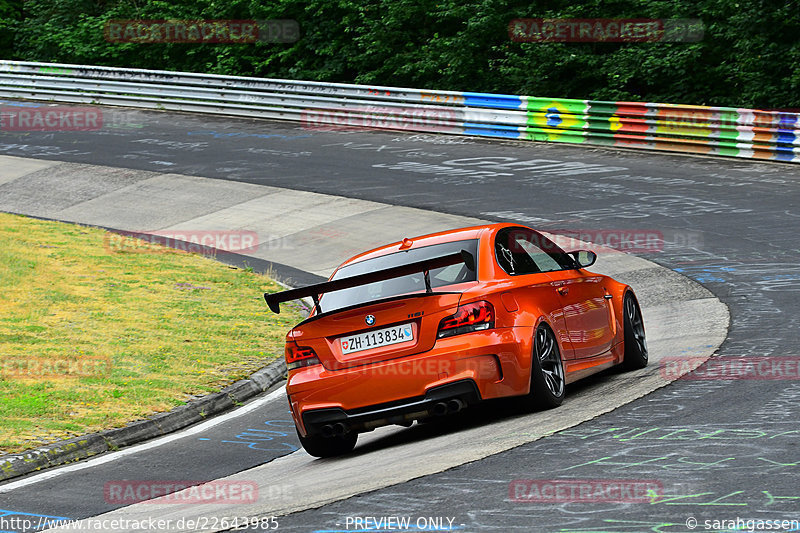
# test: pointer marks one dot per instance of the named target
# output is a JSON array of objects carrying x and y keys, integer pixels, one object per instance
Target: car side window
[{"x": 524, "y": 251}]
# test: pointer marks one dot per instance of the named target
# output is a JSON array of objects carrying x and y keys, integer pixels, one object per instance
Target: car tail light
[
  {"x": 471, "y": 317},
  {"x": 298, "y": 357}
]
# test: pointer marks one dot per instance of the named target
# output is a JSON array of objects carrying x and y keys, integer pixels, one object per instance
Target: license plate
[{"x": 377, "y": 338}]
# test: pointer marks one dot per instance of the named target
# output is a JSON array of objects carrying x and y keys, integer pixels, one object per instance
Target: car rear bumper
[
  {"x": 439, "y": 400},
  {"x": 495, "y": 363}
]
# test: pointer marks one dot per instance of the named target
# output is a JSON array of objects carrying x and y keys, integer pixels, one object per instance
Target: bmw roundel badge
[{"x": 370, "y": 320}]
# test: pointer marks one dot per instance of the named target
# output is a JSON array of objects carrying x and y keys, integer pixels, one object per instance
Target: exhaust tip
[
  {"x": 455, "y": 405},
  {"x": 327, "y": 430},
  {"x": 439, "y": 409},
  {"x": 339, "y": 429}
]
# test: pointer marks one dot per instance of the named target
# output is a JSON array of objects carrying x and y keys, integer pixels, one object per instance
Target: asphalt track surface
[{"x": 721, "y": 449}]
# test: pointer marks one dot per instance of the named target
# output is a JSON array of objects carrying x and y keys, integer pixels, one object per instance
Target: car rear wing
[{"x": 275, "y": 299}]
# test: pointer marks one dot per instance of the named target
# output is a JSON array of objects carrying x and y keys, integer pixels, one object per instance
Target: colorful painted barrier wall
[{"x": 722, "y": 131}]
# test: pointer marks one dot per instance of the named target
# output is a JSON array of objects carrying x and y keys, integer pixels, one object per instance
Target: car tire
[
  {"x": 328, "y": 446},
  {"x": 635, "y": 342},
  {"x": 548, "y": 386}
]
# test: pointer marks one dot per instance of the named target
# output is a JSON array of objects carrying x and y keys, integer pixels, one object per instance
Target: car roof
[{"x": 460, "y": 234}]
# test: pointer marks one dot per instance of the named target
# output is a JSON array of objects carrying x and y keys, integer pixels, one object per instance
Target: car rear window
[{"x": 440, "y": 277}]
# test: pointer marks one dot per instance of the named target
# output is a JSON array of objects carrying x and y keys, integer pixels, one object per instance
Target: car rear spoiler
[{"x": 275, "y": 299}]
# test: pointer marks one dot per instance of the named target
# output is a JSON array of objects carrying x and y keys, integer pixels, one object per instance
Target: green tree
[
  {"x": 749, "y": 56},
  {"x": 10, "y": 18}
]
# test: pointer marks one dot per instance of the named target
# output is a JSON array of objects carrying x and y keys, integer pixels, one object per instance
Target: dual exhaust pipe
[
  {"x": 333, "y": 430},
  {"x": 439, "y": 409},
  {"x": 448, "y": 407}
]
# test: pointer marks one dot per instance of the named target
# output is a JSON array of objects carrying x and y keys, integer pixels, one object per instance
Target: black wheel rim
[
  {"x": 637, "y": 325},
  {"x": 550, "y": 361}
]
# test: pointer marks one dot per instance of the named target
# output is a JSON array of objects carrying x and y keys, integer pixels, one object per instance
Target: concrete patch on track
[
  {"x": 15, "y": 167},
  {"x": 309, "y": 231},
  {"x": 315, "y": 232}
]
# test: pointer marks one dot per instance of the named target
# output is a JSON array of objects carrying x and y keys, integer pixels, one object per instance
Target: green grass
[{"x": 153, "y": 328}]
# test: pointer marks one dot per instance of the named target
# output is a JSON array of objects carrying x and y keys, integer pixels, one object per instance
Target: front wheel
[
  {"x": 329, "y": 446},
  {"x": 547, "y": 371},
  {"x": 635, "y": 342}
]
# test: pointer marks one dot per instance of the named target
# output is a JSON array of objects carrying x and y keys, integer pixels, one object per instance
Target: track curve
[{"x": 728, "y": 224}]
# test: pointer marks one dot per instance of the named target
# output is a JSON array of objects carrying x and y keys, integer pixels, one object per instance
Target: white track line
[{"x": 113, "y": 456}]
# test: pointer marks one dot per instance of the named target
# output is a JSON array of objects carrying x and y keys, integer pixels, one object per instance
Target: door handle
[
  {"x": 608, "y": 296},
  {"x": 562, "y": 291}
]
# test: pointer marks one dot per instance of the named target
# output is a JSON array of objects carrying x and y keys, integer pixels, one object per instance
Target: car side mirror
[{"x": 584, "y": 258}]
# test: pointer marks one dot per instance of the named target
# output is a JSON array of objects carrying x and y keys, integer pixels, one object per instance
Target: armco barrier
[{"x": 726, "y": 131}]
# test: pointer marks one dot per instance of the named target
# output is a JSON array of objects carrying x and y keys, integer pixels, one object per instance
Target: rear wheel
[
  {"x": 329, "y": 446},
  {"x": 635, "y": 342},
  {"x": 547, "y": 371}
]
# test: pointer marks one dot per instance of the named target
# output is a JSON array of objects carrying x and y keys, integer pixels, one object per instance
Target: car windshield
[{"x": 440, "y": 277}]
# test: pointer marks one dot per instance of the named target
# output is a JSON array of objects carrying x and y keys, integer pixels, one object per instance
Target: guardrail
[{"x": 726, "y": 131}]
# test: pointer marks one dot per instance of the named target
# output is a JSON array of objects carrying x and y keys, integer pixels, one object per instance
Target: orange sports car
[{"x": 430, "y": 325}]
